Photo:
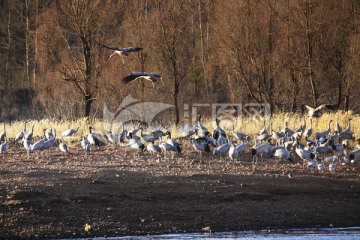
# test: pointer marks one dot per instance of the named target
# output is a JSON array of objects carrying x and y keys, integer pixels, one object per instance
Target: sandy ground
[{"x": 116, "y": 192}]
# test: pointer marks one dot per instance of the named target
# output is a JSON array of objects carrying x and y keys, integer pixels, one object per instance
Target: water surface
[{"x": 297, "y": 234}]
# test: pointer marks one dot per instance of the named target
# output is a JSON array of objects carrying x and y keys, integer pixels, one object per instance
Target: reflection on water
[{"x": 297, "y": 234}]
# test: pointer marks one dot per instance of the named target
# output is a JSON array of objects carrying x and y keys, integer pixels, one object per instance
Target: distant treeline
[{"x": 282, "y": 52}]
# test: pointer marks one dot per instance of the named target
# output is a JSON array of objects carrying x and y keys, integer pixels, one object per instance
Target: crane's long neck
[
  {"x": 304, "y": 123},
  {"x": 329, "y": 125},
  {"x": 348, "y": 125}
]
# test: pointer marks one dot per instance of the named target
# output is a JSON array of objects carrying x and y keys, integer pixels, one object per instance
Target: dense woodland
[{"x": 283, "y": 52}]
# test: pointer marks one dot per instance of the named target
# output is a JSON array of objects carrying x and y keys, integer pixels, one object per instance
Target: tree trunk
[
  {"x": 309, "y": 52},
  {"x": 27, "y": 48},
  {"x": 35, "y": 45},
  {"x": 88, "y": 101},
  {"x": 347, "y": 99},
  {"x": 176, "y": 103},
  {"x": 202, "y": 50},
  {"x": 7, "y": 77}
]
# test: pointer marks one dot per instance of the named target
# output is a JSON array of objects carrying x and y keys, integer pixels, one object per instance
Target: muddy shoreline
[{"x": 118, "y": 192}]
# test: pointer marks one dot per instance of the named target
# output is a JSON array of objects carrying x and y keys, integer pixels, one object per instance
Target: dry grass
[
  {"x": 246, "y": 125},
  {"x": 251, "y": 126}
]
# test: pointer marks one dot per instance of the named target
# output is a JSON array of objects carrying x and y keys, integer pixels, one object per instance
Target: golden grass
[
  {"x": 248, "y": 125},
  {"x": 251, "y": 126}
]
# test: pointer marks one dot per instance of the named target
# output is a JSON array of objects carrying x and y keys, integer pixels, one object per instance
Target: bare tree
[
  {"x": 77, "y": 25},
  {"x": 174, "y": 46}
]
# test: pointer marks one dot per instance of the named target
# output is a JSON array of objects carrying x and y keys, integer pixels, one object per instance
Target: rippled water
[{"x": 297, "y": 234}]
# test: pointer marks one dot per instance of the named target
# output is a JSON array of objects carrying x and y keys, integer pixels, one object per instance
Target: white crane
[
  {"x": 49, "y": 142},
  {"x": 305, "y": 155},
  {"x": 263, "y": 130},
  {"x": 146, "y": 137},
  {"x": 262, "y": 138},
  {"x": 201, "y": 144},
  {"x": 27, "y": 145},
  {"x": 69, "y": 132},
  {"x": 200, "y": 129},
  {"x": 157, "y": 133},
  {"x": 278, "y": 136},
  {"x": 271, "y": 151},
  {"x": 221, "y": 149},
  {"x": 150, "y": 76},
  {"x": 347, "y": 133},
  {"x": 37, "y": 146},
  {"x": 21, "y": 134},
  {"x": 186, "y": 131},
  {"x": 3, "y": 135},
  {"x": 49, "y": 134},
  {"x": 112, "y": 138},
  {"x": 260, "y": 150},
  {"x": 132, "y": 132},
  {"x": 287, "y": 130},
  {"x": 121, "y": 51},
  {"x": 348, "y": 127},
  {"x": 331, "y": 159},
  {"x": 4, "y": 147},
  {"x": 338, "y": 147},
  {"x": 166, "y": 147},
  {"x": 218, "y": 131},
  {"x": 321, "y": 166},
  {"x": 317, "y": 112},
  {"x": 332, "y": 167},
  {"x": 64, "y": 148},
  {"x": 153, "y": 149},
  {"x": 282, "y": 154},
  {"x": 30, "y": 135},
  {"x": 135, "y": 143},
  {"x": 173, "y": 142},
  {"x": 323, "y": 150},
  {"x": 325, "y": 133},
  {"x": 240, "y": 136},
  {"x": 312, "y": 164},
  {"x": 354, "y": 155},
  {"x": 122, "y": 136},
  {"x": 220, "y": 140},
  {"x": 308, "y": 131},
  {"x": 85, "y": 145},
  {"x": 303, "y": 127},
  {"x": 93, "y": 140},
  {"x": 337, "y": 128},
  {"x": 240, "y": 148},
  {"x": 233, "y": 152}
]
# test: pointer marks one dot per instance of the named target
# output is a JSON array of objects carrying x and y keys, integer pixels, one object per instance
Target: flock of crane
[{"x": 321, "y": 149}]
